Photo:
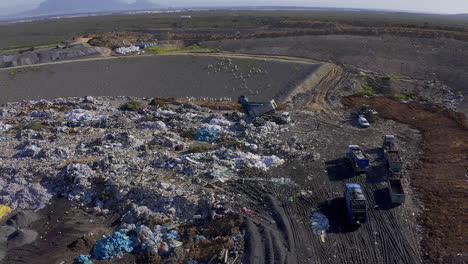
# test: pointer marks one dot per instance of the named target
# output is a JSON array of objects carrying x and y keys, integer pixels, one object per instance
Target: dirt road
[
  {"x": 441, "y": 179},
  {"x": 389, "y": 236}
]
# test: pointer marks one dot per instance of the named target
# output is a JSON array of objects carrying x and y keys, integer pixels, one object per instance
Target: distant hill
[
  {"x": 461, "y": 16},
  {"x": 63, "y": 7}
]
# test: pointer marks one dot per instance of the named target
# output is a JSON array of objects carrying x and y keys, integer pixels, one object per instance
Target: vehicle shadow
[
  {"x": 335, "y": 211},
  {"x": 339, "y": 169},
  {"x": 382, "y": 199},
  {"x": 375, "y": 153},
  {"x": 377, "y": 174}
]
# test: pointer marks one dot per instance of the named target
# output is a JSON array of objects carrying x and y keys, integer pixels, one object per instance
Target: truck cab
[{"x": 356, "y": 204}]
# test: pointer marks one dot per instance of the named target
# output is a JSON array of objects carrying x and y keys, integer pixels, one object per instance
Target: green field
[{"x": 47, "y": 32}]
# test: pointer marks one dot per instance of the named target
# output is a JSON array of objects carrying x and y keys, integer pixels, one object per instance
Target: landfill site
[{"x": 119, "y": 155}]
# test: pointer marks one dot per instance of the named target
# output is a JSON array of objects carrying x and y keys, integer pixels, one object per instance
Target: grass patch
[
  {"x": 188, "y": 133},
  {"x": 366, "y": 90},
  {"x": 363, "y": 75},
  {"x": 132, "y": 106},
  {"x": 157, "y": 50},
  {"x": 231, "y": 144},
  {"x": 424, "y": 99},
  {"x": 201, "y": 147},
  {"x": 33, "y": 126},
  {"x": 407, "y": 96},
  {"x": 388, "y": 77}
]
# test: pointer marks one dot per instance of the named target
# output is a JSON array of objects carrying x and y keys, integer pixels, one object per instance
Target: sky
[{"x": 9, "y": 7}]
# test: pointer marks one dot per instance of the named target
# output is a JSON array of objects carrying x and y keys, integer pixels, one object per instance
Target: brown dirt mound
[{"x": 441, "y": 178}]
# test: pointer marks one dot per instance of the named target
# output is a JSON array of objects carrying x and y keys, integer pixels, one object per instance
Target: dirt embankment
[
  {"x": 417, "y": 58},
  {"x": 440, "y": 179}
]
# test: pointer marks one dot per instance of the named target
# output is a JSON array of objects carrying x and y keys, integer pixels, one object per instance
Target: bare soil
[
  {"x": 162, "y": 75},
  {"x": 441, "y": 178},
  {"x": 418, "y": 58}
]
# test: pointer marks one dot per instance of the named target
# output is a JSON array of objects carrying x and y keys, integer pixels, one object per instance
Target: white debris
[
  {"x": 126, "y": 50},
  {"x": 83, "y": 115}
]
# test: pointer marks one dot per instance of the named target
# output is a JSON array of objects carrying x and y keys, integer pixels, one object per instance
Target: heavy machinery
[
  {"x": 368, "y": 113},
  {"x": 356, "y": 205},
  {"x": 395, "y": 165},
  {"x": 358, "y": 159},
  {"x": 396, "y": 191},
  {"x": 257, "y": 109},
  {"x": 392, "y": 157}
]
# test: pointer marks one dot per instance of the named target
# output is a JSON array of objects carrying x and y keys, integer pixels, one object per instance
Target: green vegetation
[
  {"x": 363, "y": 75},
  {"x": 157, "y": 50},
  {"x": 188, "y": 133},
  {"x": 201, "y": 147},
  {"x": 132, "y": 106},
  {"x": 231, "y": 144},
  {"x": 388, "y": 77},
  {"x": 48, "y": 32},
  {"x": 459, "y": 93},
  {"x": 33, "y": 126},
  {"x": 366, "y": 90},
  {"x": 424, "y": 99},
  {"x": 406, "y": 96}
]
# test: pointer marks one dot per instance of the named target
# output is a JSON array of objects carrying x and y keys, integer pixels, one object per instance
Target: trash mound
[
  {"x": 113, "y": 246},
  {"x": 160, "y": 162}
]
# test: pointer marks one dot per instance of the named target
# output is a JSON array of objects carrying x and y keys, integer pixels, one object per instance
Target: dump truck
[
  {"x": 356, "y": 205},
  {"x": 396, "y": 191},
  {"x": 257, "y": 109},
  {"x": 368, "y": 113},
  {"x": 358, "y": 159},
  {"x": 392, "y": 157}
]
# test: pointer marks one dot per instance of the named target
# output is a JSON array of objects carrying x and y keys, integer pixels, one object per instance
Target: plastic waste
[
  {"x": 4, "y": 210},
  {"x": 82, "y": 259},
  {"x": 207, "y": 134},
  {"x": 112, "y": 246},
  {"x": 320, "y": 223}
]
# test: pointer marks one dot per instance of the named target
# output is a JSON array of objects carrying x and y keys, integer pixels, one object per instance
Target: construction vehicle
[
  {"x": 395, "y": 166},
  {"x": 356, "y": 205},
  {"x": 257, "y": 109},
  {"x": 363, "y": 121},
  {"x": 396, "y": 191},
  {"x": 368, "y": 113},
  {"x": 358, "y": 159},
  {"x": 392, "y": 157}
]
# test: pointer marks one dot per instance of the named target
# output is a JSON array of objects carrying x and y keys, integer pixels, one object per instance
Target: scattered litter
[
  {"x": 82, "y": 259},
  {"x": 319, "y": 223},
  {"x": 83, "y": 115},
  {"x": 208, "y": 133},
  {"x": 4, "y": 210},
  {"x": 126, "y": 50},
  {"x": 113, "y": 246}
]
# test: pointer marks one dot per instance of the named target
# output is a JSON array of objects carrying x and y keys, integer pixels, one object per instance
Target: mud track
[
  {"x": 390, "y": 234},
  {"x": 441, "y": 178}
]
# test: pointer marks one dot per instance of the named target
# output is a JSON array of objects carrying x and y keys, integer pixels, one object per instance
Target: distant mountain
[{"x": 64, "y": 7}]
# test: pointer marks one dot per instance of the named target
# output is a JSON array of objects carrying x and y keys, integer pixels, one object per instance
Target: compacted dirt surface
[
  {"x": 280, "y": 230},
  {"x": 440, "y": 180}
]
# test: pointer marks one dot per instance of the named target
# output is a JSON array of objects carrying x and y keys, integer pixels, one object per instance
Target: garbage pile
[
  {"x": 151, "y": 162},
  {"x": 127, "y": 50}
]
